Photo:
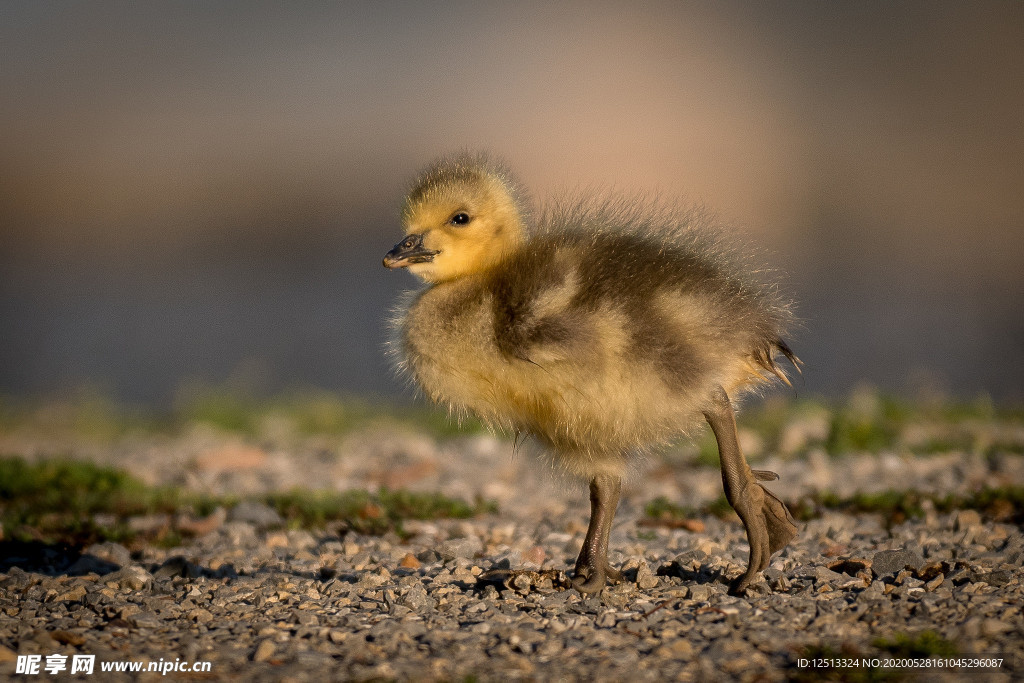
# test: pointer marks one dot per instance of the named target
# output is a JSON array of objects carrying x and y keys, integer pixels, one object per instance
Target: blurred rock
[
  {"x": 888, "y": 562},
  {"x": 258, "y": 514}
]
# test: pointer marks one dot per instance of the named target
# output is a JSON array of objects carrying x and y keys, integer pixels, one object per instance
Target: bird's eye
[{"x": 460, "y": 218}]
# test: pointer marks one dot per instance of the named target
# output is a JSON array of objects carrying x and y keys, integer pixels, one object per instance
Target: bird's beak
[{"x": 407, "y": 252}]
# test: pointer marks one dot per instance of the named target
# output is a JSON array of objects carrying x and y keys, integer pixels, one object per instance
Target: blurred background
[{"x": 202, "y": 192}]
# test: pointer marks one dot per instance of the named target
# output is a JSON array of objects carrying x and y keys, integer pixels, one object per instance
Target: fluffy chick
[{"x": 602, "y": 328}]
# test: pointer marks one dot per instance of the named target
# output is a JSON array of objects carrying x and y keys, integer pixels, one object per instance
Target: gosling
[{"x": 602, "y": 328}]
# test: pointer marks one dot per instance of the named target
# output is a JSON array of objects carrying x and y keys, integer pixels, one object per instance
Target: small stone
[
  {"x": 115, "y": 553},
  {"x": 200, "y": 616},
  {"x": 129, "y": 610},
  {"x": 177, "y": 566},
  {"x": 522, "y": 582},
  {"x": 370, "y": 580},
  {"x": 428, "y": 556},
  {"x": 887, "y": 562},
  {"x": 130, "y": 578},
  {"x": 277, "y": 539},
  {"x": 409, "y": 562},
  {"x": 90, "y": 564},
  {"x": 677, "y": 648},
  {"x": 930, "y": 571},
  {"x": 826, "y": 575},
  {"x": 73, "y": 595},
  {"x": 264, "y": 651},
  {"x": 149, "y": 524},
  {"x": 966, "y": 519},
  {"x": 460, "y": 547},
  {"x": 995, "y": 627},
  {"x": 645, "y": 578},
  {"x": 68, "y": 638},
  {"x": 306, "y": 618},
  {"x": 258, "y": 514},
  {"x": 534, "y": 556},
  {"x": 203, "y": 525},
  {"x": 700, "y": 592},
  {"x": 416, "y": 599},
  {"x": 145, "y": 620},
  {"x": 851, "y": 565}
]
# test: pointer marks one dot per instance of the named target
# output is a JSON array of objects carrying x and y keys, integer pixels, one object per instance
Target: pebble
[
  {"x": 460, "y": 547},
  {"x": 262, "y": 603},
  {"x": 889, "y": 562},
  {"x": 258, "y": 514},
  {"x": 264, "y": 651}
]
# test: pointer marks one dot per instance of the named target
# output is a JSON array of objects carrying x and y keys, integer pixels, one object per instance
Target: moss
[
  {"x": 312, "y": 412},
  {"x": 707, "y": 451},
  {"x": 1013, "y": 448},
  {"x": 62, "y": 499},
  {"x": 80, "y": 503},
  {"x": 720, "y": 507},
  {"x": 664, "y": 509},
  {"x": 78, "y": 488},
  {"x": 1004, "y": 503},
  {"x": 850, "y": 432},
  {"x": 368, "y": 513},
  {"x": 866, "y": 422},
  {"x": 894, "y": 506},
  {"x": 924, "y": 645}
]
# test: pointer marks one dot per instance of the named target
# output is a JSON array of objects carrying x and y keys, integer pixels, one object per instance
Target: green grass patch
[
  {"x": 1002, "y": 504},
  {"x": 853, "y": 432},
  {"x": 89, "y": 414},
  {"x": 78, "y": 503},
  {"x": 1013, "y": 448},
  {"x": 866, "y": 422},
  {"x": 924, "y": 645},
  {"x": 662, "y": 509},
  {"x": 62, "y": 499},
  {"x": 312, "y": 412},
  {"x": 707, "y": 451},
  {"x": 371, "y": 513}
]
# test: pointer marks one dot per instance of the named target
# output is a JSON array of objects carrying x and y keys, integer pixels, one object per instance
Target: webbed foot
[
  {"x": 769, "y": 525},
  {"x": 593, "y": 574},
  {"x": 767, "y": 521}
]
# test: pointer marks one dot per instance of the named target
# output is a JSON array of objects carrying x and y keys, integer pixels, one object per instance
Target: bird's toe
[
  {"x": 769, "y": 526},
  {"x": 593, "y": 583},
  {"x": 779, "y": 522}
]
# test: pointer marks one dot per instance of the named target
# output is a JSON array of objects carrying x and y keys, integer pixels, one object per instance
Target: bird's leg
[
  {"x": 767, "y": 521},
  {"x": 592, "y": 568}
]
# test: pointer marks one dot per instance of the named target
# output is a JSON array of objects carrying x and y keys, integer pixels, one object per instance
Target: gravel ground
[{"x": 445, "y": 602}]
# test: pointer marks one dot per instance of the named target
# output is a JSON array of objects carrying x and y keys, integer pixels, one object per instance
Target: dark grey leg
[
  {"x": 592, "y": 568},
  {"x": 767, "y": 521}
]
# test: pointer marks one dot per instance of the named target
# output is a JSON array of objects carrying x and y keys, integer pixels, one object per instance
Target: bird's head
[{"x": 463, "y": 216}]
